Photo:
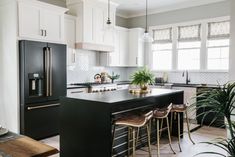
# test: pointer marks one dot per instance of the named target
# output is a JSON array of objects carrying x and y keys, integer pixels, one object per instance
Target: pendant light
[
  {"x": 146, "y": 36},
  {"x": 109, "y": 25}
]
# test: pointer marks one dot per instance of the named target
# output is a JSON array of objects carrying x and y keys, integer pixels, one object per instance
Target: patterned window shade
[
  {"x": 162, "y": 35},
  {"x": 189, "y": 33},
  {"x": 219, "y": 30}
]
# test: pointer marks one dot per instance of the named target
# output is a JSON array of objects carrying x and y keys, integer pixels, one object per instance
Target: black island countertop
[
  {"x": 121, "y": 96},
  {"x": 86, "y": 120}
]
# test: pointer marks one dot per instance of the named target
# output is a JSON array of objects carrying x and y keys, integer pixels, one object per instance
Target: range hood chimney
[{"x": 91, "y": 21}]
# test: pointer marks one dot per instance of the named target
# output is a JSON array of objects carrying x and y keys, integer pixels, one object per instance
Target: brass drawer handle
[{"x": 42, "y": 106}]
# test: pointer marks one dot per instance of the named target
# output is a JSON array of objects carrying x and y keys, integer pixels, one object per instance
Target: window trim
[{"x": 203, "y": 53}]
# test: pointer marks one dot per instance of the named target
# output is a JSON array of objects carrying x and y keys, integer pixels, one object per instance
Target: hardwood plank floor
[{"x": 204, "y": 134}]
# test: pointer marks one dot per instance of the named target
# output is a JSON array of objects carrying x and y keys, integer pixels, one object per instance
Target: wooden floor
[{"x": 189, "y": 150}]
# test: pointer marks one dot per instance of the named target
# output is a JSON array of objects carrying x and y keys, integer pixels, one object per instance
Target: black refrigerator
[{"x": 42, "y": 83}]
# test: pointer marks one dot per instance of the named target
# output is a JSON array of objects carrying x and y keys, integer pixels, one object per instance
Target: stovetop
[{"x": 89, "y": 84}]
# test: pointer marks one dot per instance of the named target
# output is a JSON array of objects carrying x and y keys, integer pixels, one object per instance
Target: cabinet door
[
  {"x": 29, "y": 21},
  {"x": 98, "y": 26},
  {"x": 70, "y": 31},
  {"x": 136, "y": 48},
  {"x": 124, "y": 47},
  {"x": 109, "y": 34},
  {"x": 53, "y": 25}
]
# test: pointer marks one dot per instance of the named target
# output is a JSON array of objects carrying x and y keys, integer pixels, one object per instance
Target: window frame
[{"x": 203, "y": 51}]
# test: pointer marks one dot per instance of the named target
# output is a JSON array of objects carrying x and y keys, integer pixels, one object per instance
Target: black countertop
[{"x": 121, "y": 95}]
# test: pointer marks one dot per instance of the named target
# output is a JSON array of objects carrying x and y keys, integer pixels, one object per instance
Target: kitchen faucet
[{"x": 186, "y": 77}]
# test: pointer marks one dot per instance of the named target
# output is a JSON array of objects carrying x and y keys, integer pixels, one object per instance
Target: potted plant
[
  {"x": 143, "y": 78},
  {"x": 113, "y": 77},
  {"x": 220, "y": 101}
]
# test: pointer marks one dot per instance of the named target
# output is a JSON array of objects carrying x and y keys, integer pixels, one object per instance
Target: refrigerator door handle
[
  {"x": 50, "y": 71},
  {"x": 46, "y": 70}
]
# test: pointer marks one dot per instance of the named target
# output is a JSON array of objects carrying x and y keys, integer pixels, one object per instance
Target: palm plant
[
  {"x": 221, "y": 102},
  {"x": 143, "y": 78}
]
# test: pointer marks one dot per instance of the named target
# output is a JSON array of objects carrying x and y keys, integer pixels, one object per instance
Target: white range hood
[{"x": 91, "y": 24}]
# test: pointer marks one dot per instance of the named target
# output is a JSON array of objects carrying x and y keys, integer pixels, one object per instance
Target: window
[
  {"x": 182, "y": 46},
  {"x": 218, "y": 45},
  {"x": 162, "y": 49},
  {"x": 189, "y": 46}
]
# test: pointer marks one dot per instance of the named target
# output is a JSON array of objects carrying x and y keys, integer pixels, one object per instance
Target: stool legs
[
  {"x": 161, "y": 128},
  {"x": 158, "y": 139},
  {"x": 149, "y": 139},
  {"x": 169, "y": 134},
  {"x": 179, "y": 131},
  {"x": 187, "y": 121},
  {"x": 133, "y": 142}
]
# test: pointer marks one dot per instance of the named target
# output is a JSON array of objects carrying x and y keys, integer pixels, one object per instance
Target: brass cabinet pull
[{"x": 42, "y": 106}]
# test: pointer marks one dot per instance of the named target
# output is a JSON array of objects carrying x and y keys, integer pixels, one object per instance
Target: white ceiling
[{"x": 132, "y": 8}]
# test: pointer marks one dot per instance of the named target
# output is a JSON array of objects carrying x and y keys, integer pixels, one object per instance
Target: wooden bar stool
[
  {"x": 134, "y": 122},
  {"x": 177, "y": 109},
  {"x": 161, "y": 114}
]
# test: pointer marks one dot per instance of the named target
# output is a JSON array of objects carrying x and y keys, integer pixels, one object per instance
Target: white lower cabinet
[
  {"x": 129, "y": 50},
  {"x": 189, "y": 97}
]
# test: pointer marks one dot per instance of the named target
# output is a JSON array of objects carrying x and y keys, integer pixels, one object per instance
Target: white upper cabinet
[
  {"x": 41, "y": 21},
  {"x": 70, "y": 30},
  {"x": 91, "y": 28},
  {"x": 128, "y": 49},
  {"x": 70, "y": 38},
  {"x": 30, "y": 21},
  {"x": 136, "y": 47}
]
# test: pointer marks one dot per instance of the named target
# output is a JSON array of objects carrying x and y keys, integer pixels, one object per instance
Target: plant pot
[{"x": 144, "y": 87}]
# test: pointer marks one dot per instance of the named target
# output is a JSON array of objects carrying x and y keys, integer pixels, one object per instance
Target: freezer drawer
[{"x": 40, "y": 120}]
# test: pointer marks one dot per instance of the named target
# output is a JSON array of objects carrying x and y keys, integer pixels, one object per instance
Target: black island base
[{"x": 87, "y": 120}]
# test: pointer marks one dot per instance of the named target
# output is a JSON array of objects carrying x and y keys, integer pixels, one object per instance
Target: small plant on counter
[
  {"x": 113, "y": 77},
  {"x": 143, "y": 78},
  {"x": 221, "y": 102}
]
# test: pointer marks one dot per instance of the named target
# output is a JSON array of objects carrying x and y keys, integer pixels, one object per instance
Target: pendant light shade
[{"x": 146, "y": 36}]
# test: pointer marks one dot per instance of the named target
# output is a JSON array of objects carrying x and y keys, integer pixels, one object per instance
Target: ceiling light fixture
[
  {"x": 109, "y": 25},
  {"x": 146, "y": 37}
]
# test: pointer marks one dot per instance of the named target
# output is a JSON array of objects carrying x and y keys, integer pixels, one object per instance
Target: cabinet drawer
[{"x": 76, "y": 91}]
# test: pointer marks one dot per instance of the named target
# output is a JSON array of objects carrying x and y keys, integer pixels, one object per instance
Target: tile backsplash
[
  {"x": 195, "y": 77},
  {"x": 87, "y": 65}
]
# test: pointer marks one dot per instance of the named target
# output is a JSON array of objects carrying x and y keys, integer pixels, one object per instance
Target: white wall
[
  {"x": 9, "y": 94},
  {"x": 232, "y": 43},
  {"x": 183, "y": 15}
]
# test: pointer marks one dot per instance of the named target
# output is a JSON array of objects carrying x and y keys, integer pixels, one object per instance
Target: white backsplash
[
  {"x": 87, "y": 65},
  {"x": 195, "y": 77}
]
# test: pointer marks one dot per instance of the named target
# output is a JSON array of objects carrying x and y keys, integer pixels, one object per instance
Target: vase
[{"x": 144, "y": 87}]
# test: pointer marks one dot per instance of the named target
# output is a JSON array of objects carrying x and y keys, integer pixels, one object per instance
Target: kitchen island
[{"x": 87, "y": 120}]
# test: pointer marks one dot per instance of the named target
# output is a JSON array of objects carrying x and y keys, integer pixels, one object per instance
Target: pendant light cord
[
  {"x": 108, "y": 21},
  {"x": 146, "y": 16}
]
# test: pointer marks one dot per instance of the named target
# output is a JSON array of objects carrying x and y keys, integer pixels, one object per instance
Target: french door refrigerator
[{"x": 42, "y": 83}]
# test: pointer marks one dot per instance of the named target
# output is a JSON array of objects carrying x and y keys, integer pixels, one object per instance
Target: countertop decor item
[
  {"x": 143, "y": 78},
  {"x": 113, "y": 77}
]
